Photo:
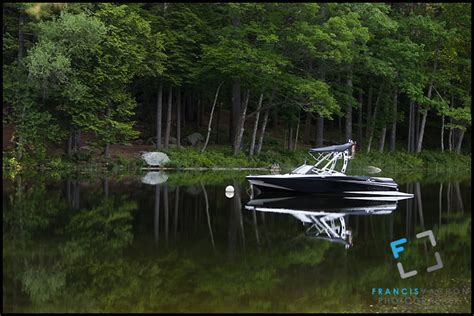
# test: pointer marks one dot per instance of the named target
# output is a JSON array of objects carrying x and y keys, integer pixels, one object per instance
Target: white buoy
[{"x": 229, "y": 191}]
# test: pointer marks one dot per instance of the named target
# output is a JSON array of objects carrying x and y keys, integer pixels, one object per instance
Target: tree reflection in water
[{"x": 62, "y": 255}]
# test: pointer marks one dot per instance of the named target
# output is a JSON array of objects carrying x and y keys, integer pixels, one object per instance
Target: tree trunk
[
  {"x": 77, "y": 139},
  {"x": 372, "y": 123},
  {"x": 369, "y": 112},
  {"x": 348, "y": 116},
  {"x": 319, "y": 131},
  {"x": 262, "y": 132},
  {"x": 459, "y": 143},
  {"x": 415, "y": 120},
  {"x": 450, "y": 136},
  {"x": 382, "y": 139},
  {"x": 393, "y": 134},
  {"x": 236, "y": 109},
  {"x": 178, "y": 118},
  {"x": 289, "y": 146},
  {"x": 411, "y": 125},
  {"x": 425, "y": 113},
  {"x": 159, "y": 111},
  {"x": 189, "y": 109},
  {"x": 183, "y": 109},
  {"x": 442, "y": 133},
  {"x": 69, "y": 144},
  {"x": 168, "y": 118},
  {"x": 359, "y": 118},
  {"x": 255, "y": 127},
  {"x": 210, "y": 118},
  {"x": 421, "y": 131},
  {"x": 307, "y": 128},
  {"x": 264, "y": 124},
  {"x": 417, "y": 125},
  {"x": 296, "y": 134},
  {"x": 239, "y": 135}
]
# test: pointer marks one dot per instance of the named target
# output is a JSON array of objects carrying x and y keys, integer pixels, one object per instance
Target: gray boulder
[
  {"x": 194, "y": 139},
  {"x": 155, "y": 178},
  {"x": 155, "y": 158},
  {"x": 372, "y": 169}
]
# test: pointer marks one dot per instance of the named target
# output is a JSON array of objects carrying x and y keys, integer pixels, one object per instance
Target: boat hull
[{"x": 331, "y": 185}]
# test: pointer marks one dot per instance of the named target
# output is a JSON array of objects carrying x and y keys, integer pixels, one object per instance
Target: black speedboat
[{"x": 322, "y": 178}]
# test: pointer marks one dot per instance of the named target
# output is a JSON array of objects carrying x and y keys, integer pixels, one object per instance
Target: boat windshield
[{"x": 304, "y": 169}]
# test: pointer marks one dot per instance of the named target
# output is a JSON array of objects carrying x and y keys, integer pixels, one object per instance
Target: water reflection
[
  {"x": 162, "y": 243},
  {"x": 324, "y": 217}
]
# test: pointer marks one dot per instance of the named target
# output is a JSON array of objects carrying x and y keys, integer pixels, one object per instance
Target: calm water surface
[{"x": 175, "y": 242}]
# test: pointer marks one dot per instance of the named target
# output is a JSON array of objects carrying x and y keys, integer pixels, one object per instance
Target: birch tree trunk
[
  {"x": 262, "y": 132},
  {"x": 264, "y": 124},
  {"x": 382, "y": 139},
  {"x": 168, "y": 118},
  {"x": 296, "y": 134},
  {"x": 425, "y": 113},
  {"x": 236, "y": 109},
  {"x": 289, "y": 145},
  {"x": 421, "y": 131},
  {"x": 159, "y": 112},
  {"x": 238, "y": 137},
  {"x": 210, "y": 118},
  {"x": 372, "y": 123},
  {"x": 255, "y": 127}
]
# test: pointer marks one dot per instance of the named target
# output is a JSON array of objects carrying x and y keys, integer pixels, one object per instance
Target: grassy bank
[{"x": 222, "y": 157}]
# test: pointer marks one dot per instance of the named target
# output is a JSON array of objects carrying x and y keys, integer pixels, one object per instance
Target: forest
[{"x": 392, "y": 77}]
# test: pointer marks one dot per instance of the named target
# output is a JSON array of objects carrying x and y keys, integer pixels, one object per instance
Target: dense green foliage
[{"x": 97, "y": 68}]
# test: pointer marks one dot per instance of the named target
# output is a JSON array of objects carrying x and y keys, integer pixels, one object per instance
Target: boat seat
[{"x": 333, "y": 148}]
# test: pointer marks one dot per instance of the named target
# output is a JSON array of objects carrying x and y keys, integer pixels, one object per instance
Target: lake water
[{"x": 119, "y": 244}]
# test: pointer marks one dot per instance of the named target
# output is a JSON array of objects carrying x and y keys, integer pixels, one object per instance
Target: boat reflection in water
[{"x": 323, "y": 216}]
